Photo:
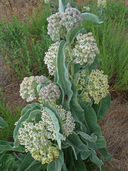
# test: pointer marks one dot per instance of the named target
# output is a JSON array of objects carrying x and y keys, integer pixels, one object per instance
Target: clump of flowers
[
  {"x": 102, "y": 2},
  {"x": 42, "y": 80},
  {"x": 86, "y": 49},
  {"x": 50, "y": 92},
  {"x": 38, "y": 137},
  {"x": 50, "y": 58},
  {"x": 67, "y": 121},
  {"x": 71, "y": 18},
  {"x": 97, "y": 86},
  {"x": 59, "y": 24},
  {"x": 28, "y": 86},
  {"x": 55, "y": 29}
]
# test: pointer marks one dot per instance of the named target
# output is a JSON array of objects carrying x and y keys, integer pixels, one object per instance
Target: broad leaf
[
  {"x": 91, "y": 17},
  {"x": 31, "y": 111},
  {"x": 3, "y": 124},
  {"x": 56, "y": 125},
  {"x": 105, "y": 154},
  {"x": 90, "y": 120},
  {"x": 55, "y": 112},
  {"x": 77, "y": 146},
  {"x": 30, "y": 164},
  {"x": 63, "y": 77},
  {"x": 101, "y": 143},
  {"x": 29, "y": 108},
  {"x": 8, "y": 146},
  {"x": 91, "y": 138},
  {"x": 57, "y": 164},
  {"x": 96, "y": 160},
  {"x": 62, "y": 5},
  {"x": 74, "y": 33},
  {"x": 75, "y": 108},
  {"x": 7, "y": 161},
  {"x": 77, "y": 165},
  {"x": 103, "y": 106}
]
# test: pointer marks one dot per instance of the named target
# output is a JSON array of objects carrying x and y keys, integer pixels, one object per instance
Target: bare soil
[{"x": 114, "y": 125}]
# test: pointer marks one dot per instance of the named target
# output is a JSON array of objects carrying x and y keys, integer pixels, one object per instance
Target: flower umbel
[
  {"x": 71, "y": 18},
  {"x": 67, "y": 121},
  {"x": 97, "y": 85},
  {"x": 36, "y": 139},
  {"x": 102, "y": 2},
  {"x": 60, "y": 23},
  {"x": 28, "y": 86},
  {"x": 41, "y": 139},
  {"x": 50, "y": 92},
  {"x": 50, "y": 58},
  {"x": 86, "y": 49}
]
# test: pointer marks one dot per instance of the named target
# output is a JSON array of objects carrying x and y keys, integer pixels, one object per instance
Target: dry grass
[
  {"x": 18, "y": 7},
  {"x": 115, "y": 130}
]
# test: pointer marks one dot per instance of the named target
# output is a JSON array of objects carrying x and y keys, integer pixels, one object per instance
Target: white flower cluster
[
  {"x": 102, "y": 2},
  {"x": 38, "y": 138},
  {"x": 28, "y": 86},
  {"x": 50, "y": 58},
  {"x": 55, "y": 29},
  {"x": 58, "y": 24},
  {"x": 71, "y": 18},
  {"x": 50, "y": 92},
  {"x": 86, "y": 49},
  {"x": 42, "y": 80},
  {"x": 67, "y": 121},
  {"x": 97, "y": 87}
]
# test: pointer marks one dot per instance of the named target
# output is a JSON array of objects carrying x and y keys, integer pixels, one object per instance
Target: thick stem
[{"x": 72, "y": 66}]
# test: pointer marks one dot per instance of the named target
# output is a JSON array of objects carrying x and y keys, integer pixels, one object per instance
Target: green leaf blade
[
  {"x": 63, "y": 77},
  {"x": 3, "y": 124},
  {"x": 91, "y": 17}
]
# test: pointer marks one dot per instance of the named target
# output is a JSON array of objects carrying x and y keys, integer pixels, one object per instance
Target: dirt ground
[{"x": 114, "y": 125}]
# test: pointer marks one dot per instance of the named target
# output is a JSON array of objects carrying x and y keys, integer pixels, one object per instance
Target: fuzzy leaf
[
  {"x": 63, "y": 77},
  {"x": 62, "y": 5},
  {"x": 7, "y": 162},
  {"x": 91, "y": 138},
  {"x": 78, "y": 146},
  {"x": 96, "y": 160},
  {"x": 103, "y": 106},
  {"x": 77, "y": 165},
  {"x": 90, "y": 119},
  {"x": 3, "y": 124},
  {"x": 105, "y": 154},
  {"x": 101, "y": 143},
  {"x": 74, "y": 33},
  {"x": 26, "y": 113},
  {"x": 56, "y": 125},
  {"x": 29, "y": 108},
  {"x": 91, "y": 17},
  {"x": 8, "y": 146},
  {"x": 75, "y": 108},
  {"x": 40, "y": 86},
  {"x": 55, "y": 112},
  {"x": 30, "y": 164},
  {"x": 57, "y": 164}
]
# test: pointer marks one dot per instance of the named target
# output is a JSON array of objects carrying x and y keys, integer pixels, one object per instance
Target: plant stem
[{"x": 72, "y": 66}]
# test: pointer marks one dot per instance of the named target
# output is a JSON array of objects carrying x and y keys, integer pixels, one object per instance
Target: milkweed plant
[{"x": 60, "y": 131}]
